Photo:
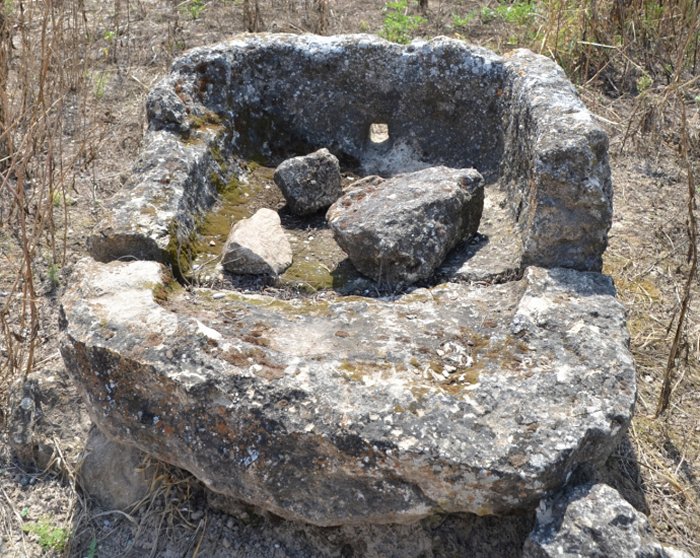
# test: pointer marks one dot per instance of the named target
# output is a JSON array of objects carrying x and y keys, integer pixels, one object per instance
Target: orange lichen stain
[{"x": 221, "y": 428}]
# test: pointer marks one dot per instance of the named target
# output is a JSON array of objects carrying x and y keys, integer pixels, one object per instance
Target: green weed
[
  {"x": 49, "y": 536},
  {"x": 517, "y": 13},
  {"x": 486, "y": 14},
  {"x": 399, "y": 25},
  {"x": 54, "y": 275},
  {"x": 644, "y": 82},
  {"x": 463, "y": 21},
  {"x": 101, "y": 79},
  {"x": 92, "y": 549},
  {"x": 195, "y": 8}
]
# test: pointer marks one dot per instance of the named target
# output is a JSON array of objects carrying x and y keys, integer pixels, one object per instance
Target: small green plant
[
  {"x": 517, "y": 13},
  {"x": 399, "y": 25},
  {"x": 109, "y": 37},
  {"x": 195, "y": 8},
  {"x": 465, "y": 20},
  {"x": 49, "y": 536},
  {"x": 58, "y": 198},
  {"x": 7, "y": 7},
  {"x": 644, "y": 82},
  {"x": 92, "y": 549},
  {"x": 54, "y": 275},
  {"x": 486, "y": 14}
]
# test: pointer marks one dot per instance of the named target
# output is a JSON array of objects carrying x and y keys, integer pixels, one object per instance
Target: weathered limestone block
[
  {"x": 555, "y": 166},
  {"x": 345, "y": 410},
  {"x": 257, "y": 245},
  {"x": 595, "y": 522},
  {"x": 397, "y": 231},
  {"x": 154, "y": 216},
  {"x": 309, "y": 182}
]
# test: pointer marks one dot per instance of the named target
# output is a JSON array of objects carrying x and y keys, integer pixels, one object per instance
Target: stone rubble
[
  {"x": 593, "y": 521},
  {"x": 398, "y": 231},
  {"x": 257, "y": 246},
  {"x": 309, "y": 183}
]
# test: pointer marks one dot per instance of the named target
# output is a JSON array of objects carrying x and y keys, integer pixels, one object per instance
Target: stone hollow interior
[{"x": 517, "y": 120}]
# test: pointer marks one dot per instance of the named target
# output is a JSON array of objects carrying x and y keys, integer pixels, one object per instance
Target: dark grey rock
[
  {"x": 596, "y": 522},
  {"x": 310, "y": 182},
  {"x": 351, "y": 410},
  {"x": 494, "y": 255},
  {"x": 397, "y": 231},
  {"x": 257, "y": 245},
  {"x": 41, "y": 408},
  {"x": 166, "y": 110}
]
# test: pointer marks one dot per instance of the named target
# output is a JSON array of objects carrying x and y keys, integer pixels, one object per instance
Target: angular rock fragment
[
  {"x": 310, "y": 182},
  {"x": 397, "y": 231},
  {"x": 257, "y": 246},
  {"x": 595, "y": 522}
]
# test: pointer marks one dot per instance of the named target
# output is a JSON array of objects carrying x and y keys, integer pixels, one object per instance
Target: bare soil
[{"x": 133, "y": 42}]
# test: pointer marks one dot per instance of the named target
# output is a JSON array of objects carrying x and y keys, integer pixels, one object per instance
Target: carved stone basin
[{"x": 479, "y": 391}]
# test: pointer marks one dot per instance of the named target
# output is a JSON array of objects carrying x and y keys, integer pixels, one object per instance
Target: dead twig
[{"x": 665, "y": 394}]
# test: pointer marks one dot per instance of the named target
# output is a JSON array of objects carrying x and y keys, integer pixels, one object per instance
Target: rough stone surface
[
  {"x": 517, "y": 120},
  {"x": 397, "y": 231},
  {"x": 555, "y": 166},
  {"x": 344, "y": 410},
  {"x": 494, "y": 255},
  {"x": 595, "y": 522},
  {"x": 35, "y": 421},
  {"x": 310, "y": 182},
  {"x": 257, "y": 245},
  {"x": 154, "y": 215},
  {"x": 116, "y": 475}
]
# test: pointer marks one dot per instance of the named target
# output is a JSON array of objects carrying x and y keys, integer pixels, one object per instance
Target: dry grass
[{"x": 72, "y": 78}]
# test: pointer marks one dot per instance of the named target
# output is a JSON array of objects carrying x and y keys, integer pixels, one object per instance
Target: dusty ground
[{"x": 131, "y": 46}]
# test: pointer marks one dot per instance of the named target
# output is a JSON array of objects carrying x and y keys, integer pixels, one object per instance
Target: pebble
[
  {"x": 217, "y": 296},
  {"x": 212, "y": 243}
]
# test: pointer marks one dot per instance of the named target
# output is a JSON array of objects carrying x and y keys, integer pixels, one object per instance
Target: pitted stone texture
[
  {"x": 554, "y": 167},
  {"x": 310, "y": 182},
  {"x": 494, "y": 254},
  {"x": 154, "y": 216},
  {"x": 347, "y": 410},
  {"x": 595, "y": 522},
  {"x": 257, "y": 245},
  {"x": 517, "y": 120},
  {"x": 397, "y": 231}
]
